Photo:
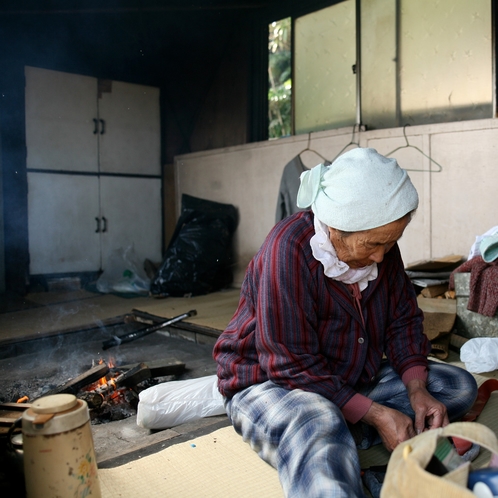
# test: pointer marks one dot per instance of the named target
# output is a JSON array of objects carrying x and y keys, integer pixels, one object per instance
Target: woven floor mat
[{"x": 221, "y": 464}]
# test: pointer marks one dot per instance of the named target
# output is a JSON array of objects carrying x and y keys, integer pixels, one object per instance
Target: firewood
[
  {"x": 94, "y": 400},
  {"x": 159, "y": 368},
  {"x": 131, "y": 378},
  {"x": 88, "y": 377},
  {"x": 15, "y": 406}
]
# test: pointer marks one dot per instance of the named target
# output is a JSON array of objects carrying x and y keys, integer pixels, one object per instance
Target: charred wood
[{"x": 74, "y": 385}]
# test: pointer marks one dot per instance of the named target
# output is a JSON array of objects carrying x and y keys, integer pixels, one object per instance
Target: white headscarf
[{"x": 360, "y": 190}]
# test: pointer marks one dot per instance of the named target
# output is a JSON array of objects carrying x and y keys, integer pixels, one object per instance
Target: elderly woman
[{"x": 326, "y": 352}]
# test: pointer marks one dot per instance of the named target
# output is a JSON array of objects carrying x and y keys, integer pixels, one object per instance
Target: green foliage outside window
[{"x": 280, "y": 83}]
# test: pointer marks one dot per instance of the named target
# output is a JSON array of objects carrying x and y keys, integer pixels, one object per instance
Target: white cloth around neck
[{"x": 324, "y": 251}]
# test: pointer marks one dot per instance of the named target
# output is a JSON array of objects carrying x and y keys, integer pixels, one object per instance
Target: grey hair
[{"x": 345, "y": 234}]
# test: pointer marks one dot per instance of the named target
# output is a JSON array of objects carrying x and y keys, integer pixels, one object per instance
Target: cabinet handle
[
  {"x": 104, "y": 228},
  {"x": 98, "y": 225},
  {"x": 102, "y": 129},
  {"x": 95, "y": 126}
]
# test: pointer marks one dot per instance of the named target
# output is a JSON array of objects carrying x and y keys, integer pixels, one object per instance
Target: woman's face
[{"x": 361, "y": 249}]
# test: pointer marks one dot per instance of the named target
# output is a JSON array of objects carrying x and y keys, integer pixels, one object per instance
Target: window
[
  {"x": 418, "y": 62},
  {"x": 324, "y": 56},
  {"x": 279, "y": 79}
]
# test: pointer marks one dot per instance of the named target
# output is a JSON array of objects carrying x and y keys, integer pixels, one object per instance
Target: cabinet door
[
  {"x": 132, "y": 211},
  {"x": 61, "y": 223},
  {"x": 131, "y": 139},
  {"x": 60, "y": 113}
]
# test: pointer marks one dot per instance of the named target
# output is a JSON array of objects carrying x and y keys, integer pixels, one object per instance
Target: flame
[
  {"x": 106, "y": 385},
  {"x": 104, "y": 381},
  {"x": 110, "y": 362},
  {"x": 23, "y": 399}
]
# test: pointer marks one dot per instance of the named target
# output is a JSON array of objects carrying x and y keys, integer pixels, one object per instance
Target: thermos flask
[{"x": 59, "y": 457}]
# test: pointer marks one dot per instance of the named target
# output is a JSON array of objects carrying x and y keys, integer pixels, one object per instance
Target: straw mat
[{"x": 221, "y": 464}]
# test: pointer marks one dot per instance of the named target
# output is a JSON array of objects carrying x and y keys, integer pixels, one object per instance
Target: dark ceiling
[{"x": 148, "y": 39}]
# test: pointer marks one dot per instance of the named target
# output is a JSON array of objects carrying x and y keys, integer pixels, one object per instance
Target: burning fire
[
  {"x": 104, "y": 381},
  {"x": 107, "y": 385},
  {"x": 113, "y": 396}
]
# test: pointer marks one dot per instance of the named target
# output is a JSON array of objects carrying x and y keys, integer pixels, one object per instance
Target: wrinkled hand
[
  {"x": 393, "y": 426},
  {"x": 429, "y": 412}
]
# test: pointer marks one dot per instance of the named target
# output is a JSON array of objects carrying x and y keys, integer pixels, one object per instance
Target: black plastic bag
[{"x": 199, "y": 258}]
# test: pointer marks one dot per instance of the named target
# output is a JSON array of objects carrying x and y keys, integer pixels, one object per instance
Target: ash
[{"x": 34, "y": 368}]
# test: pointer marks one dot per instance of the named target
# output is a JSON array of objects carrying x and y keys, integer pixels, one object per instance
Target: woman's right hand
[{"x": 393, "y": 426}]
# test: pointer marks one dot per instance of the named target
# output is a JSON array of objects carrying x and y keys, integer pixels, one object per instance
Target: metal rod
[
  {"x": 397, "y": 48},
  {"x": 358, "y": 62},
  {"x": 132, "y": 336}
]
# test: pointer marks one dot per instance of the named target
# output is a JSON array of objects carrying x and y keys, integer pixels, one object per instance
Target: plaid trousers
[{"x": 306, "y": 438}]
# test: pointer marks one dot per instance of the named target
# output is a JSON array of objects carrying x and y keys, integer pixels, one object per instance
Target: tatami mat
[
  {"x": 218, "y": 464},
  {"x": 55, "y": 318},
  {"x": 214, "y": 310},
  {"x": 221, "y": 464},
  {"x": 60, "y": 312}
]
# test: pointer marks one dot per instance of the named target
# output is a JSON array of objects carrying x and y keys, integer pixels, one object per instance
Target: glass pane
[
  {"x": 446, "y": 60},
  {"x": 279, "y": 78},
  {"x": 324, "y": 83},
  {"x": 378, "y": 63}
]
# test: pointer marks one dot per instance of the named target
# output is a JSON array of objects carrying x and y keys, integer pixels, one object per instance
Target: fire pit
[
  {"x": 64, "y": 362},
  {"x": 110, "y": 380}
]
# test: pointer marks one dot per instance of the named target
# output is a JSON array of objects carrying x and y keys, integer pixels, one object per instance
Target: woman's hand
[
  {"x": 393, "y": 426},
  {"x": 429, "y": 412}
]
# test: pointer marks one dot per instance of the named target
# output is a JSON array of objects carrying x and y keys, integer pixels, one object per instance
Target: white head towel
[{"x": 360, "y": 190}]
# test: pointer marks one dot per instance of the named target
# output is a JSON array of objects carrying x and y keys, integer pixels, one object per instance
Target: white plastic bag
[
  {"x": 123, "y": 273},
  {"x": 480, "y": 354},
  {"x": 173, "y": 403}
]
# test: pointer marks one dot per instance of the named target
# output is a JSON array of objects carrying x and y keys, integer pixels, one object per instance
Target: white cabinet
[
  {"x": 93, "y": 167},
  {"x": 60, "y": 113},
  {"x": 131, "y": 213}
]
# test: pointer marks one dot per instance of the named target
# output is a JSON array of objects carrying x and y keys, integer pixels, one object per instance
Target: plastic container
[
  {"x": 59, "y": 457},
  {"x": 484, "y": 482}
]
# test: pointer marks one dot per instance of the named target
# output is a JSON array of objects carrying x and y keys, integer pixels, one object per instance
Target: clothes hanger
[
  {"x": 350, "y": 143},
  {"x": 430, "y": 170},
  {"x": 308, "y": 149}
]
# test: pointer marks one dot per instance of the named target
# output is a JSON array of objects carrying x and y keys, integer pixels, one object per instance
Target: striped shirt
[{"x": 301, "y": 330}]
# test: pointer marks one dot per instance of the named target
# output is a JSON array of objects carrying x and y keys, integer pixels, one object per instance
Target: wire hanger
[
  {"x": 325, "y": 160},
  {"x": 350, "y": 143},
  {"x": 430, "y": 170}
]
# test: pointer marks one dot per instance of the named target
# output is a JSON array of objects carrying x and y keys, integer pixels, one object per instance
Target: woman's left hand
[{"x": 429, "y": 412}]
